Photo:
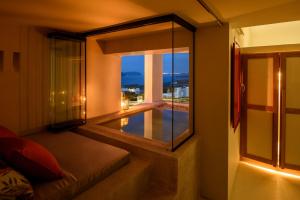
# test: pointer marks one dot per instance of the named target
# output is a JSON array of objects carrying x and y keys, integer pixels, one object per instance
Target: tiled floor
[{"x": 256, "y": 184}]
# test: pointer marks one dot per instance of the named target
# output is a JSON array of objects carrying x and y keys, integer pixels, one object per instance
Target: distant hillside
[{"x": 131, "y": 74}]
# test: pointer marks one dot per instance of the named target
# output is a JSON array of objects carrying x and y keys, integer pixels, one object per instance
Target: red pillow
[
  {"x": 4, "y": 133},
  {"x": 30, "y": 158}
]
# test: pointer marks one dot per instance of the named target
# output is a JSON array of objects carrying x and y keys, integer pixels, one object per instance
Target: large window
[
  {"x": 180, "y": 78},
  {"x": 133, "y": 78},
  {"x": 152, "y": 67},
  {"x": 67, "y": 91}
]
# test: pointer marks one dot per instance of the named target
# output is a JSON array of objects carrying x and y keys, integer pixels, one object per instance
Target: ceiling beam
[{"x": 140, "y": 23}]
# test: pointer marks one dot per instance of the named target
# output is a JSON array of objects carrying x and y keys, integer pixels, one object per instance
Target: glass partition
[
  {"x": 67, "y": 93},
  {"x": 149, "y": 72},
  {"x": 182, "y": 70}
]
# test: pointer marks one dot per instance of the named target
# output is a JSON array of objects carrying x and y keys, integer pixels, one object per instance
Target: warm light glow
[
  {"x": 124, "y": 102},
  {"x": 279, "y": 113},
  {"x": 140, "y": 99},
  {"x": 83, "y": 114},
  {"x": 124, "y": 121},
  {"x": 272, "y": 171},
  {"x": 83, "y": 99},
  {"x": 63, "y": 92}
]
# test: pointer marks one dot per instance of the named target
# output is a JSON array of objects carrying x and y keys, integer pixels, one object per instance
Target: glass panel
[
  {"x": 260, "y": 89},
  {"x": 130, "y": 63},
  {"x": 260, "y": 81},
  {"x": 292, "y": 120},
  {"x": 293, "y": 82},
  {"x": 259, "y": 133},
  {"x": 145, "y": 68},
  {"x": 182, "y": 71},
  {"x": 292, "y": 147},
  {"x": 67, "y": 98},
  {"x": 133, "y": 78}
]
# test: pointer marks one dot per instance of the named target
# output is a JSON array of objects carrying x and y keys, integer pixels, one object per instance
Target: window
[
  {"x": 133, "y": 79},
  {"x": 180, "y": 79}
]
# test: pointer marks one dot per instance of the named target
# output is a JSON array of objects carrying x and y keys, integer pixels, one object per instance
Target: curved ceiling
[{"x": 79, "y": 15}]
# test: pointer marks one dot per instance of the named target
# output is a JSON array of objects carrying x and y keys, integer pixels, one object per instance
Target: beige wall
[
  {"x": 219, "y": 143},
  {"x": 103, "y": 80},
  {"x": 24, "y": 92},
  {"x": 212, "y": 109},
  {"x": 270, "y": 49},
  {"x": 272, "y": 34},
  {"x": 233, "y": 136},
  {"x": 188, "y": 170},
  {"x": 153, "y": 78},
  {"x": 147, "y": 42}
]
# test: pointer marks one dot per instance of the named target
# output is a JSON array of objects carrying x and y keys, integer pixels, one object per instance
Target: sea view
[
  {"x": 133, "y": 77},
  {"x": 136, "y": 79}
]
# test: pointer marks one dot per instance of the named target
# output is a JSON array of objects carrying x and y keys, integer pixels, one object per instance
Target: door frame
[
  {"x": 284, "y": 110},
  {"x": 274, "y": 108}
]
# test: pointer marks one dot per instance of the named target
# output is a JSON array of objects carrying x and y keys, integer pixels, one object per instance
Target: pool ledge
[{"x": 122, "y": 113}]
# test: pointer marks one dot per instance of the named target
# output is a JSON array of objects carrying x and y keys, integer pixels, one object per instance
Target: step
[{"x": 128, "y": 183}]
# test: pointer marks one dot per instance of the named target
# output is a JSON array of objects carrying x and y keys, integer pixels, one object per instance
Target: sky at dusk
[{"x": 136, "y": 63}]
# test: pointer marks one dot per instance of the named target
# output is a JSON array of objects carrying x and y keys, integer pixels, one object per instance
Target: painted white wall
[{"x": 272, "y": 34}]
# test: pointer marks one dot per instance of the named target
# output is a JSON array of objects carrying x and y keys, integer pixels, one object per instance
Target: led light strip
[
  {"x": 272, "y": 171},
  {"x": 279, "y": 114}
]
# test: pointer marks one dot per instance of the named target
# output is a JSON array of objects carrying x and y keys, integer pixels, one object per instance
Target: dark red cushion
[
  {"x": 4, "y": 132},
  {"x": 30, "y": 158}
]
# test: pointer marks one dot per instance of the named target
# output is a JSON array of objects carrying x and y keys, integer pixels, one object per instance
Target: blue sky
[{"x": 136, "y": 63}]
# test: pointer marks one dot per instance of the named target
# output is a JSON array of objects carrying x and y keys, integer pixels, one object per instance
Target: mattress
[{"x": 84, "y": 162}]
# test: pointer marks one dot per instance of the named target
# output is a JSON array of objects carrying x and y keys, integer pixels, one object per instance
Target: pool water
[{"x": 152, "y": 124}]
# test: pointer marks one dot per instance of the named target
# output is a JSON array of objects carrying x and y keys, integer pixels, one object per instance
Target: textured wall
[{"x": 24, "y": 89}]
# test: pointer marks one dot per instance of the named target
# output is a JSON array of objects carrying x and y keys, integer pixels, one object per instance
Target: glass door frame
[
  {"x": 284, "y": 110},
  {"x": 274, "y": 109}
]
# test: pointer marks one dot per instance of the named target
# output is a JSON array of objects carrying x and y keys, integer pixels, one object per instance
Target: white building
[
  {"x": 134, "y": 90},
  {"x": 185, "y": 92},
  {"x": 177, "y": 92}
]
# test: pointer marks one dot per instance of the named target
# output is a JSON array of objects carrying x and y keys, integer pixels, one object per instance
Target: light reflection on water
[{"x": 152, "y": 124}]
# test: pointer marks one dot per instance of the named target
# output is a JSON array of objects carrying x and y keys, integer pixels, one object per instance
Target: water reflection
[{"x": 152, "y": 124}]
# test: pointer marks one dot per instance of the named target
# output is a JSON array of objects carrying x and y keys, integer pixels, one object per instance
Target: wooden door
[
  {"x": 259, "y": 124},
  {"x": 290, "y": 111}
]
